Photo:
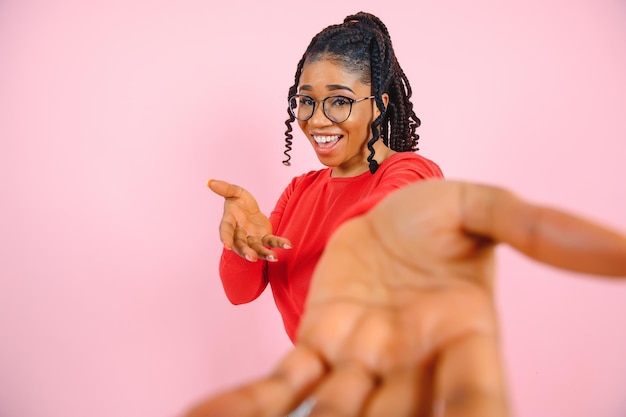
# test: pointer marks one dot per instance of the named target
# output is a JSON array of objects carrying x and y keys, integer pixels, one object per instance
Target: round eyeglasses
[{"x": 336, "y": 108}]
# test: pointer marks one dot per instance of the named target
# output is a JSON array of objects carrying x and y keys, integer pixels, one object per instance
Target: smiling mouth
[{"x": 326, "y": 141}]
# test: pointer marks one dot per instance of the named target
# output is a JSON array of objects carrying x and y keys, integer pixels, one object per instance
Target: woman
[{"x": 352, "y": 102}]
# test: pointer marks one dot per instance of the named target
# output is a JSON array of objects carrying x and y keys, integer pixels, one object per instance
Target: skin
[
  {"x": 348, "y": 157},
  {"x": 412, "y": 284},
  {"x": 244, "y": 228}
]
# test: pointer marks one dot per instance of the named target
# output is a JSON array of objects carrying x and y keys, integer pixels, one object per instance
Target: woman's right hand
[
  {"x": 400, "y": 318},
  {"x": 244, "y": 228}
]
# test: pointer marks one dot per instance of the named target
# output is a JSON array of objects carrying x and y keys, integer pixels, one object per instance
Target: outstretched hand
[
  {"x": 400, "y": 318},
  {"x": 244, "y": 228}
]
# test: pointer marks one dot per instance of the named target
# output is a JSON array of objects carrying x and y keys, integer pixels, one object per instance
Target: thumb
[{"x": 224, "y": 188}]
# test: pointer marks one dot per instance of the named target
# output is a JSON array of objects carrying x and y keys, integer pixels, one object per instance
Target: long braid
[
  {"x": 376, "y": 69},
  {"x": 362, "y": 44},
  {"x": 289, "y": 122}
]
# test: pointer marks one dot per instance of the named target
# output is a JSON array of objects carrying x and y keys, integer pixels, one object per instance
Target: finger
[
  {"x": 343, "y": 392},
  {"x": 469, "y": 379},
  {"x": 227, "y": 230},
  {"x": 274, "y": 241},
  {"x": 241, "y": 246},
  {"x": 291, "y": 382},
  {"x": 543, "y": 233},
  {"x": 402, "y": 393},
  {"x": 224, "y": 188},
  {"x": 257, "y": 246}
]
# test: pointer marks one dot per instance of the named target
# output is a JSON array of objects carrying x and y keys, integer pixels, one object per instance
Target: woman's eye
[
  {"x": 340, "y": 101},
  {"x": 306, "y": 101}
]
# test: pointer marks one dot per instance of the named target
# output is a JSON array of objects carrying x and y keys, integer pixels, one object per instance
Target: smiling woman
[
  {"x": 338, "y": 134},
  {"x": 351, "y": 100},
  {"x": 113, "y": 114}
]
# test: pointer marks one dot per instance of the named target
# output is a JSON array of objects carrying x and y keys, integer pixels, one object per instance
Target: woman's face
[{"x": 342, "y": 146}]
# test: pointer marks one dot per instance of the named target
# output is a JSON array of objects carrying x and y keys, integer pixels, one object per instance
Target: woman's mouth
[{"x": 326, "y": 141}]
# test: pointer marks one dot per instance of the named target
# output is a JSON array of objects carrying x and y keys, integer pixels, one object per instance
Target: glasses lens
[
  {"x": 338, "y": 108},
  {"x": 301, "y": 107}
]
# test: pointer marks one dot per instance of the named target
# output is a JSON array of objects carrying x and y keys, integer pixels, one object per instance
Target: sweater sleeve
[{"x": 243, "y": 281}]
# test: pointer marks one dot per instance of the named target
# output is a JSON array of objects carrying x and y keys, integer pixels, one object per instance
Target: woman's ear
[{"x": 385, "y": 98}]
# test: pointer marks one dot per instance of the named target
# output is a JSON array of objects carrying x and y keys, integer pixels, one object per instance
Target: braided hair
[{"x": 362, "y": 44}]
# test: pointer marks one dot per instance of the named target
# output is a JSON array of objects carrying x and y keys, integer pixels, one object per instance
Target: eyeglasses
[{"x": 336, "y": 108}]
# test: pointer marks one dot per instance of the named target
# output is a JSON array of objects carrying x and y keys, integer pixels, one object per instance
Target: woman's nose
[{"x": 319, "y": 117}]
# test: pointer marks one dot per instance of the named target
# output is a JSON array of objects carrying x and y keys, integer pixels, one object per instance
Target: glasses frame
[{"x": 323, "y": 101}]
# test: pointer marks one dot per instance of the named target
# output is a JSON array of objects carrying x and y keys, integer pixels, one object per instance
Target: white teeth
[{"x": 325, "y": 139}]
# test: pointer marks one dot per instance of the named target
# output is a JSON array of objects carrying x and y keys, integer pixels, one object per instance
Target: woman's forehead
[{"x": 323, "y": 73}]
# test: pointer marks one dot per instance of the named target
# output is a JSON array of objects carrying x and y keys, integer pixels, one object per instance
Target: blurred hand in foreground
[{"x": 400, "y": 318}]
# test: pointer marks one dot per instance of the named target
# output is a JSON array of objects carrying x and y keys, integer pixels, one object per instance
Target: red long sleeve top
[{"x": 311, "y": 207}]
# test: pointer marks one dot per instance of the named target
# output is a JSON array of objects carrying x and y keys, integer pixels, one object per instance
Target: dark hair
[{"x": 362, "y": 44}]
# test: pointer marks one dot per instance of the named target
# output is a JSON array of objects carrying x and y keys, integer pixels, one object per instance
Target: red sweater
[{"x": 308, "y": 211}]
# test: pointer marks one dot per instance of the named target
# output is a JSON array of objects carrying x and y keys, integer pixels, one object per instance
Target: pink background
[{"x": 113, "y": 114}]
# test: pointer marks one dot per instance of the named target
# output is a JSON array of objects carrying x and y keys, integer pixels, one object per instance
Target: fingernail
[
  {"x": 250, "y": 258},
  {"x": 286, "y": 246},
  {"x": 271, "y": 258}
]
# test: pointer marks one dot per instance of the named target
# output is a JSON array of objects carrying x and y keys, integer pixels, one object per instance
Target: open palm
[
  {"x": 400, "y": 318},
  {"x": 244, "y": 228}
]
